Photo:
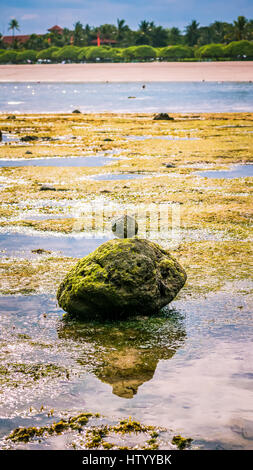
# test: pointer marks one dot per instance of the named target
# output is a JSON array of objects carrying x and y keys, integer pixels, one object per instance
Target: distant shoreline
[{"x": 129, "y": 72}]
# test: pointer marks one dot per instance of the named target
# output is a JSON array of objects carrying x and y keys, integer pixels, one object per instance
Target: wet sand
[{"x": 133, "y": 72}]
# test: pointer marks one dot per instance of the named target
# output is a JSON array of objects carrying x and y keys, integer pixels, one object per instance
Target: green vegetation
[
  {"x": 181, "y": 442},
  {"x": 175, "y": 52},
  {"x": 8, "y": 57},
  {"x": 144, "y": 53},
  {"x": 210, "y": 51},
  {"x": 66, "y": 53},
  {"x": 26, "y": 434},
  {"x": 26, "y": 56},
  {"x": 47, "y": 54},
  {"x": 119, "y": 43},
  {"x": 97, "y": 435},
  {"x": 239, "y": 49},
  {"x": 236, "y": 50}
]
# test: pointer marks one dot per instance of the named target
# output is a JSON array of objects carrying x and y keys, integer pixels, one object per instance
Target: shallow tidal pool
[
  {"x": 144, "y": 382},
  {"x": 188, "y": 369}
]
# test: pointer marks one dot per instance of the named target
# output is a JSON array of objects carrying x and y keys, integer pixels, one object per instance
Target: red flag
[{"x": 98, "y": 40}]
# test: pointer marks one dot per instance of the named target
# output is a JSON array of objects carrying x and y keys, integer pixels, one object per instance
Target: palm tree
[
  {"x": 174, "y": 36},
  {"x": 218, "y": 29},
  {"x": 122, "y": 28},
  {"x": 240, "y": 27},
  {"x": 192, "y": 33},
  {"x": 144, "y": 33},
  {"x": 144, "y": 26},
  {"x": 13, "y": 24},
  {"x": 78, "y": 33}
]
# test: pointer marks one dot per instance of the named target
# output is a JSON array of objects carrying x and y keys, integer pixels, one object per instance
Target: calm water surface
[
  {"x": 99, "y": 97},
  {"x": 57, "y": 161},
  {"x": 188, "y": 369},
  {"x": 118, "y": 176},
  {"x": 21, "y": 244},
  {"x": 236, "y": 171}
]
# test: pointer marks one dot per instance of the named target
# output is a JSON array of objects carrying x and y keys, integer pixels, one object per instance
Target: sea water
[{"x": 126, "y": 97}]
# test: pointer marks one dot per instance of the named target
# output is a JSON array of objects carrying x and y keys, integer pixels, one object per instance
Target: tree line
[
  {"x": 236, "y": 50},
  {"x": 147, "y": 33},
  {"x": 219, "y": 41}
]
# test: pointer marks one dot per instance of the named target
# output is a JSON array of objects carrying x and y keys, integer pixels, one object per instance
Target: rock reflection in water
[{"x": 125, "y": 354}]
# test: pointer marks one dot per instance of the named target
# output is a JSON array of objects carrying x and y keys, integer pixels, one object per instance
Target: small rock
[
  {"x": 41, "y": 251},
  {"x": 11, "y": 116},
  {"x": 1, "y": 136},
  {"x": 47, "y": 187},
  {"x": 76, "y": 111},
  {"x": 29, "y": 138},
  {"x": 169, "y": 165},
  {"x": 108, "y": 140},
  {"x": 163, "y": 117},
  {"x": 125, "y": 227},
  {"x": 28, "y": 152}
]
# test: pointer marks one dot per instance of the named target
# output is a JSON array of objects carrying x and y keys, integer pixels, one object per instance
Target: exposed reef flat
[
  {"x": 215, "y": 213},
  {"x": 53, "y": 369}
]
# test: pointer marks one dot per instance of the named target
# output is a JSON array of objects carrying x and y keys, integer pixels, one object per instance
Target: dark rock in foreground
[{"x": 121, "y": 278}]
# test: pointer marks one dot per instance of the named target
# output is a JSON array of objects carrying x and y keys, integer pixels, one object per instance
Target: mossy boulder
[{"x": 122, "y": 277}]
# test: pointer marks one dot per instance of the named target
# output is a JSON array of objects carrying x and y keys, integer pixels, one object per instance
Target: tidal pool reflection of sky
[
  {"x": 188, "y": 369},
  {"x": 21, "y": 244}
]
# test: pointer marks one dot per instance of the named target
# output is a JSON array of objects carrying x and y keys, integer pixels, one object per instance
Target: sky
[{"x": 36, "y": 16}]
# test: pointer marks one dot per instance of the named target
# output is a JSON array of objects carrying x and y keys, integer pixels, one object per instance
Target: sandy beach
[{"x": 129, "y": 72}]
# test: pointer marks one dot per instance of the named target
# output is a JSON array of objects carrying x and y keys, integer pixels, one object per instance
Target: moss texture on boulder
[{"x": 121, "y": 278}]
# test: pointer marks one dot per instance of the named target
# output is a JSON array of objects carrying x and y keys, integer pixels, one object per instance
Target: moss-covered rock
[{"x": 121, "y": 278}]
